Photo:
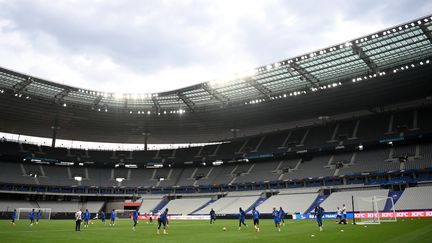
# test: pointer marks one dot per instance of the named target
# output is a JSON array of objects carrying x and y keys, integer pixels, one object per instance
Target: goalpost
[
  {"x": 124, "y": 214},
  {"x": 374, "y": 210},
  {"x": 23, "y": 213}
]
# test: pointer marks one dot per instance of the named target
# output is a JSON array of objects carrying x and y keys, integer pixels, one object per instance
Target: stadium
[{"x": 347, "y": 128}]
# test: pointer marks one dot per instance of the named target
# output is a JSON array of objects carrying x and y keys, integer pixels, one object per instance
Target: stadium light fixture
[
  {"x": 119, "y": 179},
  {"x": 217, "y": 162},
  {"x": 78, "y": 178}
]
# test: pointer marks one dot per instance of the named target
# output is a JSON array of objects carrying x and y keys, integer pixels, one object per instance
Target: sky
[{"x": 149, "y": 46}]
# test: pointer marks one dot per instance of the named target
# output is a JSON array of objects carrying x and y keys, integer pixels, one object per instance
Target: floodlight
[
  {"x": 119, "y": 179},
  {"x": 217, "y": 162},
  {"x": 78, "y": 178}
]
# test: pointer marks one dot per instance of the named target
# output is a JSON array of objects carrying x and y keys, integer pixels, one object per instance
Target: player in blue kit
[
  {"x": 13, "y": 216},
  {"x": 103, "y": 217},
  {"x": 255, "y": 216},
  {"x": 276, "y": 219},
  {"x": 282, "y": 216},
  {"x": 113, "y": 217},
  {"x": 32, "y": 217},
  {"x": 86, "y": 217},
  {"x": 162, "y": 220},
  {"x": 242, "y": 217},
  {"x": 135, "y": 218},
  {"x": 319, "y": 213},
  {"x": 38, "y": 216},
  {"x": 212, "y": 216}
]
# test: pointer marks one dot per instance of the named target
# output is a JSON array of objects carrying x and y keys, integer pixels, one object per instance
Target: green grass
[{"x": 408, "y": 230}]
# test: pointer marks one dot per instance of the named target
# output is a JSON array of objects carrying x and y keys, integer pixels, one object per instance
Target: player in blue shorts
[
  {"x": 86, "y": 217},
  {"x": 242, "y": 217},
  {"x": 282, "y": 216},
  {"x": 103, "y": 217},
  {"x": 135, "y": 218},
  {"x": 32, "y": 217},
  {"x": 319, "y": 213},
  {"x": 255, "y": 216},
  {"x": 276, "y": 219},
  {"x": 162, "y": 220},
  {"x": 212, "y": 216},
  {"x": 113, "y": 217},
  {"x": 14, "y": 216},
  {"x": 38, "y": 216}
]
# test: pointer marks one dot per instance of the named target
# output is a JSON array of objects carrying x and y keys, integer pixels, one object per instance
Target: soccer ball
[{"x": 224, "y": 228}]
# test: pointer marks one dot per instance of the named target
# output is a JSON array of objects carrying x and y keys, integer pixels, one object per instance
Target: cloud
[{"x": 153, "y": 46}]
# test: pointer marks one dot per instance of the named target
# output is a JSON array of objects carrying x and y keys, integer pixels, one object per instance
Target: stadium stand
[
  {"x": 185, "y": 205},
  {"x": 337, "y": 199},
  {"x": 291, "y": 203},
  {"x": 9, "y": 205},
  {"x": 415, "y": 198},
  {"x": 150, "y": 203},
  {"x": 229, "y": 204},
  {"x": 61, "y": 207}
]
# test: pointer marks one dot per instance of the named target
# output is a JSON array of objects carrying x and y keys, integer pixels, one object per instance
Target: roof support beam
[
  {"x": 156, "y": 103},
  {"x": 306, "y": 74},
  {"x": 60, "y": 96},
  {"x": 258, "y": 86},
  {"x": 359, "y": 51},
  {"x": 220, "y": 97},
  {"x": 22, "y": 85},
  {"x": 189, "y": 103},
  {"x": 426, "y": 32}
]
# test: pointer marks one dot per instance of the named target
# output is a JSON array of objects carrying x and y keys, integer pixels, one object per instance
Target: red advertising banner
[{"x": 404, "y": 214}]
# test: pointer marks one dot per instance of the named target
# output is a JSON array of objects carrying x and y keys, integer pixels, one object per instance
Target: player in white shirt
[
  {"x": 338, "y": 215},
  {"x": 78, "y": 220},
  {"x": 344, "y": 213}
]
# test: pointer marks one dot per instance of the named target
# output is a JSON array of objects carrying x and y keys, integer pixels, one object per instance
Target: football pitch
[{"x": 405, "y": 230}]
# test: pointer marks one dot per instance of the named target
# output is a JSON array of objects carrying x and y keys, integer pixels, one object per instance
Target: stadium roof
[
  {"x": 384, "y": 68},
  {"x": 373, "y": 54}
]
